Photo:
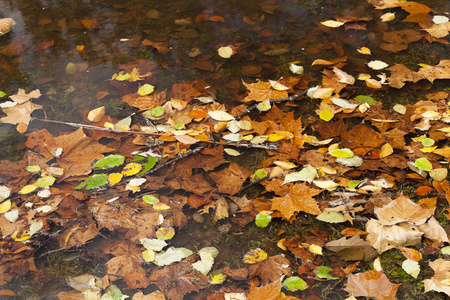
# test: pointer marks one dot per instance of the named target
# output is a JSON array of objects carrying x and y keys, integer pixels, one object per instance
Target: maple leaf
[
  {"x": 418, "y": 12},
  {"x": 439, "y": 282},
  {"x": 299, "y": 198},
  {"x": 261, "y": 91},
  {"x": 271, "y": 269},
  {"x": 20, "y": 113},
  {"x": 371, "y": 284},
  {"x": 78, "y": 150},
  {"x": 362, "y": 136},
  {"x": 230, "y": 180},
  {"x": 179, "y": 279},
  {"x": 269, "y": 291}
]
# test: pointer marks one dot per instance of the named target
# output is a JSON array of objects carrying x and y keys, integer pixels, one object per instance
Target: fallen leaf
[{"x": 371, "y": 284}]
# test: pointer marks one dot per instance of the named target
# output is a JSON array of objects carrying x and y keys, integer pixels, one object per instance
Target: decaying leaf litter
[{"x": 345, "y": 164}]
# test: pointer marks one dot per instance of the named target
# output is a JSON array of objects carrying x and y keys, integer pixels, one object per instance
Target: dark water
[{"x": 109, "y": 33}]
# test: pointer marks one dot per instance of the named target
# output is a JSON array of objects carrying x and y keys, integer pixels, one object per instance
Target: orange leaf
[
  {"x": 266, "y": 32},
  {"x": 22, "y": 127},
  {"x": 352, "y": 232},
  {"x": 249, "y": 21},
  {"x": 206, "y": 17},
  {"x": 198, "y": 114},
  {"x": 411, "y": 253},
  {"x": 101, "y": 94},
  {"x": 80, "y": 48},
  {"x": 46, "y": 44},
  {"x": 424, "y": 190}
]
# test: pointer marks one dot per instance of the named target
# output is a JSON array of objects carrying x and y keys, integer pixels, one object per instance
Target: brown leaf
[
  {"x": 418, "y": 12},
  {"x": 123, "y": 265},
  {"x": 19, "y": 113},
  {"x": 261, "y": 91},
  {"x": 439, "y": 281},
  {"x": 299, "y": 198},
  {"x": 271, "y": 269},
  {"x": 362, "y": 136},
  {"x": 230, "y": 180},
  {"x": 269, "y": 291},
  {"x": 396, "y": 41},
  {"x": 179, "y": 279},
  {"x": 135, "y": 280},
  {"x": 371, "y": 284}
]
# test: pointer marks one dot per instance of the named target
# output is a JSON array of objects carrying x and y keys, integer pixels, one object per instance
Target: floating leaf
[
  {"x": 225, "y": 52},
  {"x": 263, "y": 219},
  {"x": 220, "y": 115},
  {"x": 344, "y": 152},
  {"x": 28, "y": 189},
  {"x": 109, "y": 161},
  {"x": 161, "y": 206},
  {"x": 45, "y": 181},
  {"x": 323, "y": 272},
  {"x": 148, "y": 255},
  {"x": 114, "y": 178},
  {"x": 95, "y": 181},
  {"x": 258, "y": 175},
  {"x": 377, "y": 65},
  {"x": 150, "y": 199},
  {"x": 165, "y": 233},
  {"x": 96, "y": 114},
  {"x": 171, "y": 255},
  {"x": 146, "y": 89},
  {"x": 264, "y": 106},
  {"x": 254, "y": 256},
  {"x": 423, "y": 164},
  {"x": 332, "y": 23},
  {"x": 331, "y": 217},
  {"x": 326, "y": 115},
  {"x": 364, "y": 50},
  {"x": 157, "y": 111},
  {"x": 295, "y": 283},
  {"x": 153, "y": 244},
  {"x": 5, "y": 206},
  {"x": 365, "y": 99},
  {"x": 33, "y": 169},
  {"x": 131, "y": 169}
]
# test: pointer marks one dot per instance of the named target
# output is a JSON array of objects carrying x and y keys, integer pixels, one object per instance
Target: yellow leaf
[
  {"x": 28, "y": 189},
  {"x": 363, "y": 76},
  {"x": 108, "y": 125},
  {"x": 146, "y": 89},
  {"x": 160, "y": 206},
  {"x": 264, "y": 105},
  {"x": 428, "y": 149},
  {"x": 148, "y": 255},
  {"x": 217, "y": 278},
  {"x": 386, "y": 150},
  {"x": 401, "y": 109},
  {"x": 281, "y": 245},
  {"x": 285, "y": 165},
  {"x": 114, "y": 178},
  {"x": 96, "y": 114},
  {"x": 131, "y": 169},
  {"x": 254, "y": 256},
  {"x": 323, "y": 93},
  {"x": 364, "y": 50},
  {"x": 344, "y": 152},
  {"x": 326, "y": 115},
  {"x": 280, "y": 135},
  {"x": 5, "y": 206},
  {"x": 332, "y": 23},
  {"x": 316, "y": 249},
  {"x": 24, "y": 236}
]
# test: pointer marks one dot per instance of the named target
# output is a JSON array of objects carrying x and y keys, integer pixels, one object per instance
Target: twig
[{"x": 291, "y": 98}]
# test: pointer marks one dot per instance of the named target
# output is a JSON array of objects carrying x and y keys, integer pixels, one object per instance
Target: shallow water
[{"x": 97, "y": 36}]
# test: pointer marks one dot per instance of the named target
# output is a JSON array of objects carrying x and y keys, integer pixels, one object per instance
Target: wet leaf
[
  {"x": 150, "y": 199},
  {"x": 411, "y": 254},
  {"x": 96, "y": 114},
  {"x": 95, "y": 181},
  {"x": 218, "y": 278},
  {"x": 5, "y": 206},
  {"x": 326, "y": 115},
  {"x": 365, "y": 99},
  {"x": 131, "y": 169},
  {"x": 254, "y": 256},
  {"x": 377, "y": 65},
  {"x": 263, "y": 219},
  {"x": 170, "y": 256},
  {"x": 342, "y": 153},
  {"x": 220, "y": 115},
  {"x": 295, "y": 283},
  {"x": 332, "y": 23},
  {"x": 45, "y": 181},
  {"x": 145, "y": 89},
  {"x": 165, "y": 233},
  {"x": 33, "y": 169},
  {"x": 323, "y": 272},
  {"x": 114, "y": 178},
  {"x": 371, "y": 284}
]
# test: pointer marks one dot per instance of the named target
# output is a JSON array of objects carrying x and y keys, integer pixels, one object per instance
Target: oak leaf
[
  {"x": 299, "y": 198},
  {"x": 371, "y": 284},
  {"x": 20, "y": 113}
]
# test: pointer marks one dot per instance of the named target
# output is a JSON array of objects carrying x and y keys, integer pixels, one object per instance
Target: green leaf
[
  {"x": 331, "y": 217},
  {"x": 146, "y": 89},
  {"x": 2, "y": 94},
  {"x": 323, "y": 272},
  {"x": 423, "y": 164},
  {"x": 95, "y": 181},
  {"x": 353, "y": 183},
  {"x": 180, "y": 126},
  {"x": 33, "y": 169},
  {"x": 150, "y": 199},
  {"x": 258, "y": 175},
  {"x": 151, "y": 162},
  {"x": 262, "y": 219},
  {"x": 446, "y": 250},
  {"x": 295, "y": 283},
  {"x": 365, "y": 99},
  {"x": 109, "y": 161},
  {"x": 45, "y": 181},
  {"x": 158, "y": 111},
  {"x": 427, "y": 142},
  {"x": 81, "y": 185}
]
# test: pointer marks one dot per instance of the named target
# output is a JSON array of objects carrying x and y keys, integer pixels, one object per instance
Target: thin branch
[{"x": 291, "y": 98}]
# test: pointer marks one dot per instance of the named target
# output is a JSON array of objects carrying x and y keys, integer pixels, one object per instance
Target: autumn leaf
[
  {"x": 20, "y": 113},
  {"x": 439, "y": 282},
  {"x": 299, "y": 198},
  {"x": 371, "y": 284},
  {"x": 261, "y": 91}
]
